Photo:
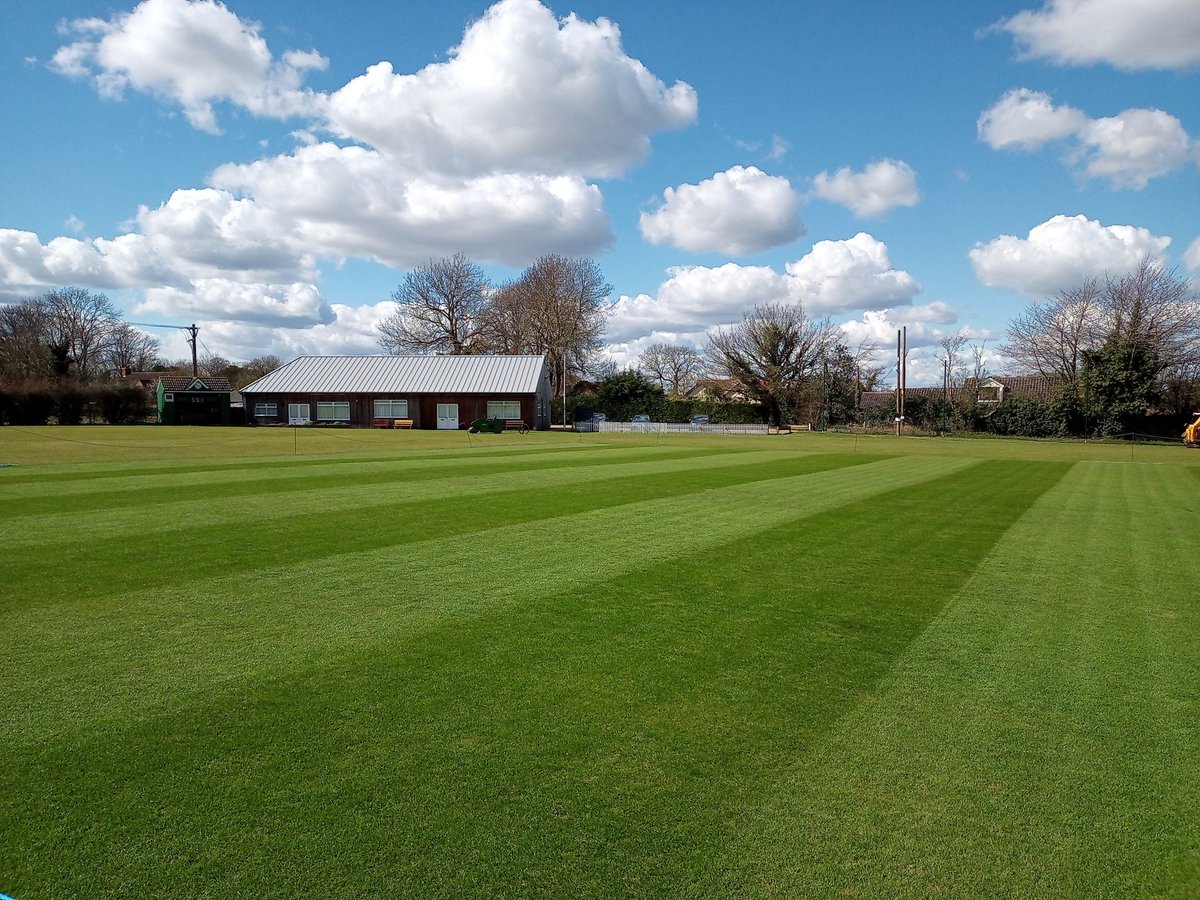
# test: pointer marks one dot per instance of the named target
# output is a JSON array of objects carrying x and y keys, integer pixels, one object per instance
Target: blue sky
[{"x": 270, "y": 171}]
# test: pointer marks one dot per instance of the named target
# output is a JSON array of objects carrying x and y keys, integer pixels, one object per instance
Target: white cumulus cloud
[
  {"x": 869, "y": 194},
  {"x": 1191, "y": 257},
  {"x": 1061, "y": 252},
  {"x": 1127, "y": 150},
  {"x": 523, "y": 91},
  {"x": 294, "y": 305},
  {"x": 851, "y": 274},
  {"x": 1147, "y": 34},
  {"x": 194, "y": 52},
  {"x": 1132, "y": 147},
  {"x": 836, "y": 276},
  {"x": 737, "y": 212},
  {"x": 354, "y": 201},
  {"x": 1028, "y": 120}
]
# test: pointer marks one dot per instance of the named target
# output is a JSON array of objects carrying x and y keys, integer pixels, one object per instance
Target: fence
[{"x": 680, "y": 428}]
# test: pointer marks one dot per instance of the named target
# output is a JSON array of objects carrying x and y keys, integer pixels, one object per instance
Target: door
[
  {"x": 298, "y": 414},
  {"x": 447, "y": 416}
]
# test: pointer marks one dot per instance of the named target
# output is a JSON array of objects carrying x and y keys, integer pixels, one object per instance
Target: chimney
[{"x": 125, "y": 370}]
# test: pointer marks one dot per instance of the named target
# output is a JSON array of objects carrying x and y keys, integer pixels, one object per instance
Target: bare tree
[
  {"x": 81, "y": 324},
  {"x": 129, "y": 347},
  {"x": 1154, "y": 310},
  {"x": 1049, "y": 338},
  {"x": 676, "y": 367},
  {"x": 1151, "y": 308},
  {"x": 558, "y": 307},
  {"x": 65, "y": 332},
  {"x": 255, "y": 369},
  {"x": 952, "y": 345},
  {"x": 440, "y": 304},
  {"x": 774, "y": 352},
  {"x": 24, "y": 351}
]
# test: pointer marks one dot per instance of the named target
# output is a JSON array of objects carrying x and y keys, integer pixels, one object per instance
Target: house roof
[
  {"x": 183, "y": 383},
  {"x": 877, "y": 399},
  {"x": 722, "y": 386},
  {"x": 1022, "y": 387},
  {"x": 404, "y": 374}
]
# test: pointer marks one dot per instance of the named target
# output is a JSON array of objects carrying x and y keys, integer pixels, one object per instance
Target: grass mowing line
[
  {"x": 331, "y": 495},
  {"x": 120, "y": 655},
  {"x": 113, "y": 564},
  {"x": 106, "y": 485},
  {"x": 337, "y": 480},
  {"x": 579, "y": 742},
  {"x": 94, "y": 471},
  {"x": 1040, "y": 739}
]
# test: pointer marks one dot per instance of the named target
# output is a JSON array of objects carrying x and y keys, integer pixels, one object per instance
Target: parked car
[
  {"x": 700, "y": 419},
  {"x": 642, "y": 418}
]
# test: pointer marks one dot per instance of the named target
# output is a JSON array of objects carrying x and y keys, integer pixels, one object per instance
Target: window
[
  {"x": 391, "y": 409},
  {"x": 266, "y": 409},
  {"x": 504, "y": 409},
  {"x": 338, "y": 410}
]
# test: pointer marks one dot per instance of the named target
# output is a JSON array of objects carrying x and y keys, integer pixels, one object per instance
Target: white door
[
  {"x": 447, "y": 416},
  {"x": 298, "y": 414}
]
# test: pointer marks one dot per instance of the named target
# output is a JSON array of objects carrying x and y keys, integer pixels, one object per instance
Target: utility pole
[
  {"x": 899, "y": 407},
  {"x": 193, "y": 330}
]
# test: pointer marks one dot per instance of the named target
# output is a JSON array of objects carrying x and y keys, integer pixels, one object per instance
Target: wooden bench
[
  {"x": 402, "y": 423},
  {"x": 515, "y": 425},
  {"x": 381, "y": 423}
]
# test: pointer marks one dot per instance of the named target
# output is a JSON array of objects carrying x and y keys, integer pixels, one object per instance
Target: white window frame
[
  {"x": 393, "y": 405},
  {"x": 331, "y": 409},
  {"x": 266, "y": 408},
  {"x": 500, "y": 409},
  {"x": 294, "y": 415}
]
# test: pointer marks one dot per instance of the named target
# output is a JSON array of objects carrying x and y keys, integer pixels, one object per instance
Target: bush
[
  {"x": 121, "y": 404},
  {"x": 26, "y": 403},
  {"x": 71, "y": 403}
]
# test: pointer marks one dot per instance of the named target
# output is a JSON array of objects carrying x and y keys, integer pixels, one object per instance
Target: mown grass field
[{"x": 261, "y": 662}]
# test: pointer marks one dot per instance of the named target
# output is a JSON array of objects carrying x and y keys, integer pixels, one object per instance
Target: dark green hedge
[{"x": 70, "y": 403}]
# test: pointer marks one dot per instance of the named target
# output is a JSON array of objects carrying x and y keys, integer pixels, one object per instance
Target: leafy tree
[
  {"x": 625, "y": 394},
  {"x": 439, "y": 308},
  {"x": 1119, "y": 381},
  {"x": 775, "y": 352}
]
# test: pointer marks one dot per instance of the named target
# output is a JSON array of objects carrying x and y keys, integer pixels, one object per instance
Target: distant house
[
  {"x": 435, "y": 392},
  {"x": 989, "y": 392},
  {"x": 718, "y": 389},
  {"x": 995, "y": 389},
  {"x": 193, "y": 399}
]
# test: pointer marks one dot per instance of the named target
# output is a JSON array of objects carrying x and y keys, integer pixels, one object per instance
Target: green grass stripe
[
  {"x": 1042, "y": 738},
  {"x": 114, "y": 563},
  {"x": 190, "y": 507},
  {"x": 69, "y": 663},
  {"x": 603, "y": 735},
  {"x": 154, "y": 485},
  {"x": 206, "y": 463}
]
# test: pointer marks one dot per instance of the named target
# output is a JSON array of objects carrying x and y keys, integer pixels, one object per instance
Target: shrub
[{"x": 121, "y": 404}]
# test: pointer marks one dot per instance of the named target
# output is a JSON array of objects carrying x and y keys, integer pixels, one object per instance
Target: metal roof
[{"x": 403, "y": 375}]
